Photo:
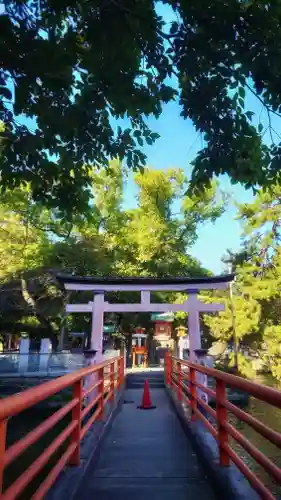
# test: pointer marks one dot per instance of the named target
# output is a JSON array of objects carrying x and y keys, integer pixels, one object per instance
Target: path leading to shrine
[{"x": 146, "y": 456}]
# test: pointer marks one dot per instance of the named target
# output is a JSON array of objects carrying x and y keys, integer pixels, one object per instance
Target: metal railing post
[
  {"x": 179, "y": 381},
  {"x": 221, "y": 420},
  {"x": 193, "y": 390},
  {"x": 77, "y": 393},
  {"x": 101, "y": 393},
  {"x": 112, "y": 381}
]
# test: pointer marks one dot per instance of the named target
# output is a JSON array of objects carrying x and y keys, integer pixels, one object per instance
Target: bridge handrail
[
  {"x": 181, "y": 377},
  {"x": 82, "y": 402}
]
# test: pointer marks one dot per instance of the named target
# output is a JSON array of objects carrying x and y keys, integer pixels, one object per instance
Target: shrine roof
[{"x": 142, "y": 283}]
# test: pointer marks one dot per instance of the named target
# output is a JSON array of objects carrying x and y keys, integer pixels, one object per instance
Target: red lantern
[{"x": 140, "y": 330}]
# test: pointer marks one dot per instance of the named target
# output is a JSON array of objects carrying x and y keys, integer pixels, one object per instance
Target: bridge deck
[{"x": 146, "y": 456}]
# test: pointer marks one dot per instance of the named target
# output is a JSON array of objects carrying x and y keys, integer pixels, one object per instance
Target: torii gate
[{"x": 99, "y": 306}]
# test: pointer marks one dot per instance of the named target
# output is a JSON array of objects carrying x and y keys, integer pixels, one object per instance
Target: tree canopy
[
  {"x": 257, "y": 297},
  {"x": 152, "y": 239},
  {"x": 79, "y": 78}
]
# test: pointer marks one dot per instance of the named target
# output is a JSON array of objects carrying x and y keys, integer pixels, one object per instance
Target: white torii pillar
[
  {"x": 97, "y": 326},
  {"x": 96, "y": 342},
  {"x": 193, "y": 306},
  {"x": 193, "y": 321}
]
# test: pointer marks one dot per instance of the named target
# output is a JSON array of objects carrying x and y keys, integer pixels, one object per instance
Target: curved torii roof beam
[{"x": 112, "y": 284}]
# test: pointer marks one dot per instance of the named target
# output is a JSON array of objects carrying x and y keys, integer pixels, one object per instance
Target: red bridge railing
[
  {"x": 181, "y": 378},
  {"x": 86, "y": 407}
]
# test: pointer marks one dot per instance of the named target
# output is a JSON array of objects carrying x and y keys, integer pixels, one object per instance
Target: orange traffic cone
[{"x": 146, "y": 400}]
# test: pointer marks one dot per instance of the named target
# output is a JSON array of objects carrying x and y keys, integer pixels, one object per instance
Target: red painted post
[
  {"x": 193, "y": 400},
  {"x": 112, "y": 381},
  {"x": 123, "y": 366},
  {"x": 168, "y": 368},
  {"x": 3, "y": 434},
  {"x": 77, "y": 392},
  {"x": 171, "y": 366},
  {"x": 221, "y": 419},
  {"x": 179, "y": 381},
  {"x": 101, "y": 393},
  {"x": 119, "y": 373}
]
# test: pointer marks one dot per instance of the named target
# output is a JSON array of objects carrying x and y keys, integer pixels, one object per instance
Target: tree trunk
[
  {"x": 64, "y": 314},
  {"x": 44, "y": 322}
]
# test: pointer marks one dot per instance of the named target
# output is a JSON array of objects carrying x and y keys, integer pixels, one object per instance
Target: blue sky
[{"x": 176, "y": 147}]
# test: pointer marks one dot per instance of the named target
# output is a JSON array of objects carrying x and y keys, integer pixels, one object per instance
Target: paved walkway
[{"x": 146, "y": 456}]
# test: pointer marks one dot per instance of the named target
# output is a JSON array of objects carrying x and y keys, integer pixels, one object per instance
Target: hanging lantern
[
  {"x": 181, "y": 331},
  {"x": 140, "y": 331}
]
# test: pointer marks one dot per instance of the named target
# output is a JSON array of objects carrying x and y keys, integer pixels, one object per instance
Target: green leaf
[
  {"x": 260, "y": 127},
  {"x": 5, "y": 92},
  {"x": 154, "y": 136},
  {"x": 241, "y": 102},
  {"x": 241, "y": 92},
  {"x": 249, "y": 114},
  {"x": 174, "y": 28},
  {"x": 130, "y": 158}
]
